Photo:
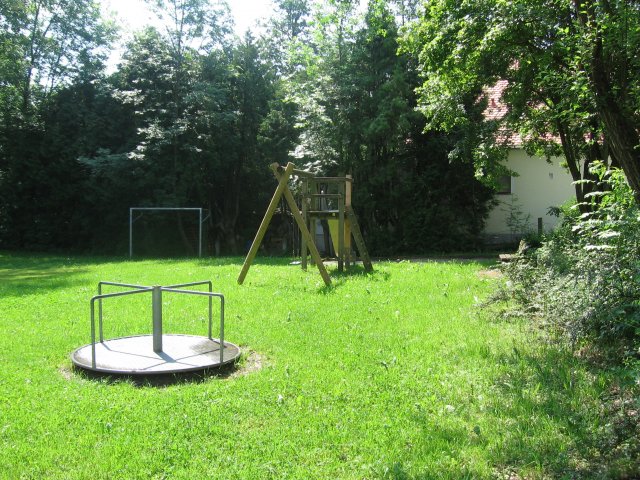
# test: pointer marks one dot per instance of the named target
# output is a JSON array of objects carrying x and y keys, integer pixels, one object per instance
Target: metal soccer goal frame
[{"x": 132, "y": 220}]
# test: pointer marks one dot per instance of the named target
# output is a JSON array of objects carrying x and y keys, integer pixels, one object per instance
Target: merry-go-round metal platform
[{"x": 158, "y": 353}]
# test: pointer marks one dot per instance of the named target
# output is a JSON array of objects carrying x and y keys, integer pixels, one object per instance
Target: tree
[
  {"x": 162, "y": 77},
  {"x": 412, "y": 198},
  {"x": 45, "y": 45},
  {"x": 194, "y": 117},
  {"x": 193, "y": 25},
  {"x": 541, "y": 49},
  {"x": 240, "y": 159},
  {"x": 357, "y": 115},
  {"x": 199, "y": 115},
  {"x": 322, "y": 86},
  {"x": 290, "y": 20},
  {"x": 287, "y": 40},
  {"x": 609, "y": 36},
  {"x": 406, "y": 10},
  {"x": 52, "y": 41}
]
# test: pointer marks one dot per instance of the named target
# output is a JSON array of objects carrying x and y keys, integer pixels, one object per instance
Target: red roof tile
[{"x": 496, "y": 110}]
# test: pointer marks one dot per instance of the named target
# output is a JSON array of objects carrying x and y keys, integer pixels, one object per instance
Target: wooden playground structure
[{"x": 323, "y": 198}]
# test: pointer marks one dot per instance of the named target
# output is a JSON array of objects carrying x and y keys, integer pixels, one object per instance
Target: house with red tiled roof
[{"x": 524, "y": 198}]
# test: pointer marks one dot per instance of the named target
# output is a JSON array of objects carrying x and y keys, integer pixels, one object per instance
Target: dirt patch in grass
[
  {"x": 491, "y": 273},
  {"x": 251, "y": 362},
  {"x": 66, "y": 372}
]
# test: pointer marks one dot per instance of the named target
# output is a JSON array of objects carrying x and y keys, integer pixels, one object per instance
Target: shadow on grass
[
  {"x": 159, "y": 380},
  {"x": 339, "y": 278},
  {"x": 23, "y": 274},
  {"x": 359, "y": 271},
  {"x": 554, "y": 404},
  {"x": 549, "y": 411},
  {"x": 32, "y": 273},
  {"x": 397, "y": 471},
  {"x": 249, "y": 362},
  {"x": 544, "y": 420}
]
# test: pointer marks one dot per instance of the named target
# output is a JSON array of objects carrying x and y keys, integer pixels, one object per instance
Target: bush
[
  {"x": 584, "y": 280},
  {"x": 583, "y": 283}
]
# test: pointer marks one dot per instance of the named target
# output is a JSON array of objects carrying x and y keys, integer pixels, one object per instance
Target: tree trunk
[
  {"x": 622, "y": 136},
  {"x": 573, "y": 163},
  {"x": 619, "y": 126}
]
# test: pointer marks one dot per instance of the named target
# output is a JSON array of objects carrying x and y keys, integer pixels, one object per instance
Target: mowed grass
[{"x": 395, "y": 374}]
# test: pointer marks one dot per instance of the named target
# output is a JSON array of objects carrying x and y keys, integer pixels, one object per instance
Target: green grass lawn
[{"x": 394, "y": 374}]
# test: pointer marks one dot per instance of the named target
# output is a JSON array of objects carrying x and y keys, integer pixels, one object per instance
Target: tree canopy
[
  {"x": 571, "y": 68},
  {"x": 390, "y": 92}
]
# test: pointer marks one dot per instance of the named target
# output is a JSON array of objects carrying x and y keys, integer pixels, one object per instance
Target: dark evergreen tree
[
  {"x": 44, "y": 46},
  {"x": 358, "y": 115},
  {"x": 194, "y": 118}
]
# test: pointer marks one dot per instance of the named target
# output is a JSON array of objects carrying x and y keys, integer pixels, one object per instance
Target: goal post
[{"x": 132, "y": 220}]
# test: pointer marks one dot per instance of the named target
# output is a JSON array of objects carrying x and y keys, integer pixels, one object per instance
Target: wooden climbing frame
[{"x": 319, "y": 201}]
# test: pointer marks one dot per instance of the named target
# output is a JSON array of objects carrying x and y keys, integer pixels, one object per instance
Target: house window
[{"x": 504, "y": 185}]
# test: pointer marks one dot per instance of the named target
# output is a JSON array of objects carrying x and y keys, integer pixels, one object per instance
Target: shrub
[{"x": 584, "y": 280}]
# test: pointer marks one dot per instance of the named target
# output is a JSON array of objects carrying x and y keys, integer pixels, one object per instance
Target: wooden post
[
  {"x": 357, "y": 235},
  {"x": 282, "y": 187},
  {"x": 315, "y": 255},
  {"x": 341, "y": 191},
  {"x": 312, "y": 226},
  {"x": 347, "y": 223},
  {"x": 305, "y": 207}
]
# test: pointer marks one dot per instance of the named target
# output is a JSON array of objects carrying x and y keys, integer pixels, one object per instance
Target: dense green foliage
[
  {"x": 572, "y": 71},
  {"x": 361, "y": 119},
  {"x": 45, "y": 45},
  {"x": 569, "y": 74},
  {"x": 584, "y": 284},
  {"x": 193, "y": 116},
  {"x": 585, "y": 278},
  {"x": 389, "y": 375}
]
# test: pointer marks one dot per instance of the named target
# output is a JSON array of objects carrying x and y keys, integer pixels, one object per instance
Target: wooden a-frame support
[
  {"x": 346, "y": 229},
  {"x": 283, "y": 189}
]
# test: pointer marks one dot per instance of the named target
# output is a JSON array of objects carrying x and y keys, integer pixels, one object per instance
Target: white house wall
[{"x": 538, "y": 186}]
